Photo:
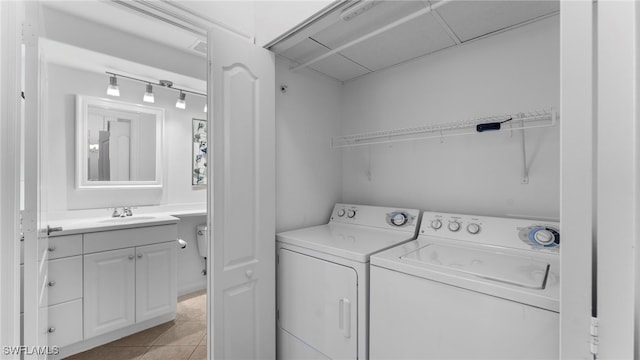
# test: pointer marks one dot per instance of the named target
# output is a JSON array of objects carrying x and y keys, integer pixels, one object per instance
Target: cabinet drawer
[
  {"x": 67, "y": 245},
  {"x": 126, "y": 238},
  {"x": 65, "y": 323},
  {"x": 65, "y": 279}
]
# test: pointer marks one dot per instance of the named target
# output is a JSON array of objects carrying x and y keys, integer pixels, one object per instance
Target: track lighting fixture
[
  {"x": 181, "y": 104},
  {"x": 148, "y": 95},
  {"x": 113, "y": 89}
]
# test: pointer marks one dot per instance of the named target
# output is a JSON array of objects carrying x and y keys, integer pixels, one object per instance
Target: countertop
[{"x": 94, "y": 220}]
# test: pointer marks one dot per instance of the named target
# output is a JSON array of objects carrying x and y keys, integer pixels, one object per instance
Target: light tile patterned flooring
[{"x": 181, "y": 339}]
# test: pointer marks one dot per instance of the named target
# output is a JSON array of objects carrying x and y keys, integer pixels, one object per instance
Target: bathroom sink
[{"x": 128, "y": 219}]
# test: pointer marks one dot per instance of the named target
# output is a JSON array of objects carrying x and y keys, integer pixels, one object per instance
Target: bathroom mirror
[{"x": 118, "y": 144}]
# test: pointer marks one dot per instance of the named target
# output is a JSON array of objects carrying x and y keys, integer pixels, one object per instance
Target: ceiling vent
[{"x": 199, "y": 46}]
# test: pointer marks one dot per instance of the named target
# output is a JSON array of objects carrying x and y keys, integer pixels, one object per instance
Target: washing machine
[
  {"x": 469, "y": 287},
  {"x": 323, "y": 280}
]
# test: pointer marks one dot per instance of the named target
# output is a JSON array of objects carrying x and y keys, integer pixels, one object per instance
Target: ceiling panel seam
[{"x": 340, "y": 54}]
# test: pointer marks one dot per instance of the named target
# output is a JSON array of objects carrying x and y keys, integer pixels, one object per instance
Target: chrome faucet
[{"x": 121, "y": 212}]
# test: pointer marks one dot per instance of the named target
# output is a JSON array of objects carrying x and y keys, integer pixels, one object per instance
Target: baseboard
[{"x": 192, "y": 287}]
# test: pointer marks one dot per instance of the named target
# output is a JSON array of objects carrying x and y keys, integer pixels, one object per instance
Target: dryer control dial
[
  {"x": 473, "y": 228},
  {"x": 399, "y": 219},
  {"x": 454, "y": 226},
  {"x": 543, "y": 237},
  {"x": 351, "y": 213},
  {"x": 341, "y": 212},
  {"x": 436, "y": 224}
]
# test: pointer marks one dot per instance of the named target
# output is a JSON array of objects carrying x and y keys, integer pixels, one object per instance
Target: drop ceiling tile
[
  {"x": 304, "y": 51},
  {"x": 472, "y": 19},
  {"x": 339, "y": 67},
  {"x": 415, "y": 38},
  {"x": 385, "y": 12},
  {"x": 335, "y": 66}
]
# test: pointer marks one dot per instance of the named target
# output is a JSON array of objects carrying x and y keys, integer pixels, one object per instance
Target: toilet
[{"x": 202, "y": 236}]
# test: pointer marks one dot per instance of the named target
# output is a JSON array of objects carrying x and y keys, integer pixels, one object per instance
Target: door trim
[{"x": 11, "y": 18}]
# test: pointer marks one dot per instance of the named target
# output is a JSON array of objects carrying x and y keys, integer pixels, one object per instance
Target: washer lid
[
  {"x": 352, "y": 242},
  {"x": 493, "y": 265}
]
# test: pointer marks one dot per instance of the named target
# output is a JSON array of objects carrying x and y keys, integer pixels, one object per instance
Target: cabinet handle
[
  {"x": 52, "y": 249},
  {"x": 52, "y": 283},
  {"x": 52, "y": 329},
  {"x": 131, "y": 257},
  {"x": 139, "y": 256}
]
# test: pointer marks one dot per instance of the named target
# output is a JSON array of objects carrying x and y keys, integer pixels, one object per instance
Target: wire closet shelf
[{"x": 528, "y": 120}]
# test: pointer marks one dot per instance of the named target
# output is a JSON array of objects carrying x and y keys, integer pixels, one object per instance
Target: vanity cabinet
[
  {"x": 64, "y": 289},
  {"x": 131, "y": 285}
]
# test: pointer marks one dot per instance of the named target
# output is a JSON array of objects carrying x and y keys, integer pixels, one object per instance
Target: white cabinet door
[
  {"x": 241, "y": 199},
  {"x": 109, "y": 291},
  {"x": 156, "y": 280},
  {"x": 318, "y": 304}
]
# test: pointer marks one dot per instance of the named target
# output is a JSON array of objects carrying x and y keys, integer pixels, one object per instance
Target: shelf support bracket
[{"x": 525, "y": 167}]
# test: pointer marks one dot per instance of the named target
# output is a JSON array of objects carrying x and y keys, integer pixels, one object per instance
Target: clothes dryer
[
  {"x": 469, "y": 287},
  {"x": 323, "y": 280}
]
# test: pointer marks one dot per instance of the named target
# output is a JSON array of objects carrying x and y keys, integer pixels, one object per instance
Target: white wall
[
  {"x": 64, "y": 84},
  {"x": 510, "y": 72},
  {"x": 308, "y": 171}
]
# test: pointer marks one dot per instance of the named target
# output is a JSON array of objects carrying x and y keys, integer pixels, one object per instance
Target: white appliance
[
  {"x": 469, "y": 287},
  {"x": 323, "y": 280}
]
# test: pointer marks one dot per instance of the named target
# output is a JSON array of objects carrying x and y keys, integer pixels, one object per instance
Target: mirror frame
[{"x": 82, "y": 145}]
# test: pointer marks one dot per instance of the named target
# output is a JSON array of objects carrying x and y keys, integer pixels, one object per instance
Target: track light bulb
[
  {"x": 181, "y": 104},
  {"x": 113, "y": 89},
  {"x": 148, "y": 95}
]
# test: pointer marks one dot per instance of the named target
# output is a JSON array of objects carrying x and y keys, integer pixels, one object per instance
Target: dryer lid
[{"x": 488, "y": 264}]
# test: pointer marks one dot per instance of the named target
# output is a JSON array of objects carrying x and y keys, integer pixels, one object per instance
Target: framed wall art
[{"x": 199, "y": 173}]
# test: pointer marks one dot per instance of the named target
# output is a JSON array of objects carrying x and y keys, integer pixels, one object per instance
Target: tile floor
[{"x": 181, "y": 339}]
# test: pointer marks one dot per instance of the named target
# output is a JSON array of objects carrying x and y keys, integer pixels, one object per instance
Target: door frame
[
  {"x": 577, "y": 176},
  {"x": 11, "y": 19}
]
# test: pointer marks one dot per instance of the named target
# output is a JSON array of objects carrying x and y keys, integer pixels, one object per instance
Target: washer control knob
[
  {"x": 473, "y": 228},
  {"x": 544, "y": 237},
  {"x": 351, "y": 214},
  {"x": 454, "y": 226},
  {"x": 399, "y": 219},
  {"x": 436, "y": 224},
  {"x": 341, "y": 212}
]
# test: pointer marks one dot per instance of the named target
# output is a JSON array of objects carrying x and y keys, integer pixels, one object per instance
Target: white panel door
[
  {"x": 109, "y": 291},
  {"x": 318, "y": 304},
  {"x": 156, "y": 280},
  {"x": 241, "y": 199}
]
